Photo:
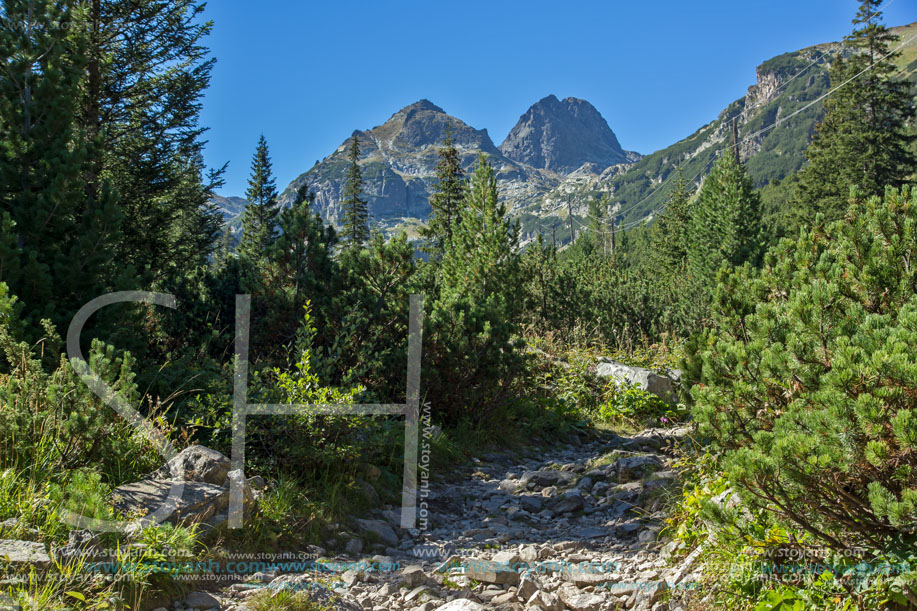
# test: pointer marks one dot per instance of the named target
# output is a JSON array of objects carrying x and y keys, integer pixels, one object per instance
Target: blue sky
[{"x": 306, "y": 74}]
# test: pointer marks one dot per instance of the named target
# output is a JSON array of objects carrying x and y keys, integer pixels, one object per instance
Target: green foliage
[
  {"x": 471, "y": 352},
  {"x": 51, "y": 421},
  {"x": 629, "y": 404},
  {"x": 57, "y": 237},
  {"x": 671, "y": 232},
  {"x": 862, "y": 140},
  {"x": 806, "y": 382},
  {"x": 259, "y": 220},
  {"x": 283, "y": 600},
  {"x": 356, "y": 212},
  {"x": 446, "y": 200},
  {"x": 585, "y": 297},
  {"x": 725, "y": 222}
]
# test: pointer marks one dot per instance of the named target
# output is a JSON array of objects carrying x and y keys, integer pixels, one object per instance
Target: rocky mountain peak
[{"x": 562, "y": 135}]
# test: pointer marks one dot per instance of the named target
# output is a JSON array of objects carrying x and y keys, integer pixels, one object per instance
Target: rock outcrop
[
  {"x": 561, "y": 136},
  {"x": 398, "y": 162},
  {"x": 663, "y": 386},
  {"x": 205, "y": 477}
]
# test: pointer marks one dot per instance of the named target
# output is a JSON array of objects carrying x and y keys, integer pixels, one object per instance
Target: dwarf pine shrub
[{"x": 807, "y": 383}]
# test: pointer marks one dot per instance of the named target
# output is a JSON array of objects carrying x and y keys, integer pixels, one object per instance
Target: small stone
[
  {"x": 380, "y": 530},
  {"x": 509, "y": 485},
  {"x": 502, "y": 599},
  {"x": 354, "y": 546},
  {"x": 23, "y": 552},
  {"x": 507, "y": 558},
  {"x": 462, "y": 604},
  {"x": 546, "y": 601},
  {"x": 527, "y": 586},
  {"x": 528, "y": 554},
  {"x": 201, "y": 600},
  {"x": 196, "y": 464},
  {"x": 577, "y": 600},
  {"x": 413, "y": 576},
  {"x": 415, "y": 593},
  {"x": 350, "y": 577},
  {"x": 569, "y": 504},
  {"x": 486, "y": 571},
  {"x": 530, "y": 503}
]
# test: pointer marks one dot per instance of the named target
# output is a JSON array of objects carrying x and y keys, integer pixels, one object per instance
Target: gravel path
[{"x": 572, "y": 528}]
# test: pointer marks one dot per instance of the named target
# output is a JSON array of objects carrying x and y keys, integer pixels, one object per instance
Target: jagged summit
[
  {"x": 423, "y": 124},
  {"x": 398, "y": 159},
  {"x": 423, "y": 104},
  {"x": 562, "y": 135}
]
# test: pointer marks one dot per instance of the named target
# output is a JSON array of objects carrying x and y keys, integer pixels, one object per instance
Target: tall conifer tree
[
  {"x": 356, "y": 213},
  {"x": 146, "y": 70},
  {"x": 670, "y": 233},
  {"x": 447, "y": 197},
  {"x": 57, "y": 249},
  {"x": 726, "y": 221},
  {"x": 862, "y": 140},
  {"x": 259, "y": 221}
]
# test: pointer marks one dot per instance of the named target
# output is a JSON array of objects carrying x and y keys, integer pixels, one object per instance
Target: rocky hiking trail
[{"x": 573, "y": 528}]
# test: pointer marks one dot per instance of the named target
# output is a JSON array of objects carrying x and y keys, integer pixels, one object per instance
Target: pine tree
[
  {"x": 476, "y": 313},
  {"x": 356, "y": 214},
  {"x": 259, "y": 220},
  {"x": 446, "y": 200},
  {"x": 598, "y": 224},
  {"x": 302, "y": 252},
  {"x": 805, "y": 383},
  {"x": 146, "y": 72},
  {"x": 59, "y": 240},
  {"x": 862, "y": 140},
  {"x": 670, "y": 233},
  {"x": 726, "y": 220}
]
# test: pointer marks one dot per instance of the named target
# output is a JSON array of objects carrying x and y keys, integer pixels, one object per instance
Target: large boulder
[
  {"x": 199, "y": 502},
  {"x": 205, "y": 477},
  {"x": 195, "y": 464},
  {"x": 663, "y": 386}
]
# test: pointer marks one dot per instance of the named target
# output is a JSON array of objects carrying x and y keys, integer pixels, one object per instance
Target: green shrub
[
  {"x": 630, "y": 404},
  {"x": 808, "y": 382},
  {"x": 52, "y": 422}
]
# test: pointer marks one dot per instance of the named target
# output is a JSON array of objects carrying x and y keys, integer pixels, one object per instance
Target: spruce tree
[
  {"x": 446, "y": 200},
  {"x": 726, "y": 221},
  {"x": 476, "y": 314},
  {"x": 598, "y": 224},
  {"x": 259, "y": 220},
  {"x": 145, "y": 74},
  {"x": 670, "y": 233},
  {"x": 356, "y": 214},
  {"x": 57, "y": 251},
  {"x": 863, "y": 139}
]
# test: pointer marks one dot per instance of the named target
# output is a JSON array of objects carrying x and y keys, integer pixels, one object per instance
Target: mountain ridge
[{"x": 399, "y": 156}]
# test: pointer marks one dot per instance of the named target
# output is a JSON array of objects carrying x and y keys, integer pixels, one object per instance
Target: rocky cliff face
[
  {"x": 398, "y": 161},
  {"x": 562, "y": 135}
]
